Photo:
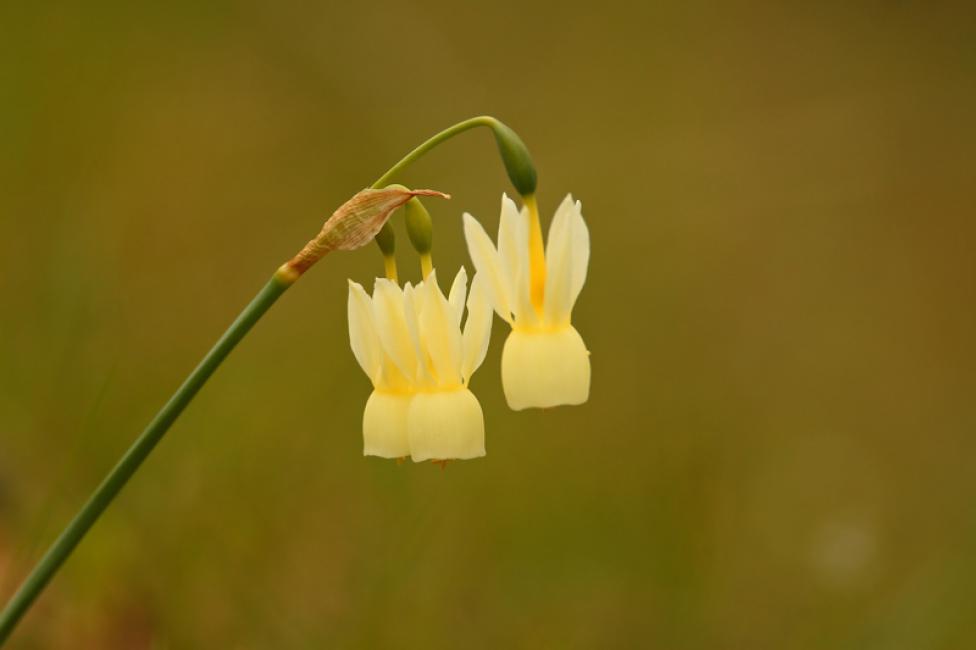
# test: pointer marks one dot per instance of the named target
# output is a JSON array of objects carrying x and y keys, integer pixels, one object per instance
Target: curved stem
[
  {"x": 446, "y": 134},
  {"x": 386, "y": 237},
  {"x": 136, "y": 454}
]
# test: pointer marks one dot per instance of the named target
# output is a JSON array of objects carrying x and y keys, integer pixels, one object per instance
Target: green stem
[
  {"x": 133, "y": 458},
  {"x": 446, "y": 134}
]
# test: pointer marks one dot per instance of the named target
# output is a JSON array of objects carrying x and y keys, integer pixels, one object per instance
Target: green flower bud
[
  {"x": 420, "y": 228},
  {"x": 386, "y": 240},
  {"x": 515, "y": 155}
]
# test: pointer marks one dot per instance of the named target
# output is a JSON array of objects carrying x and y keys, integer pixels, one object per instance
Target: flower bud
[
  {"x": 386, "y": 240},
  {"x": 420, "y": 228},
  {"x": 356, "y": 223},
  {"x": 515, "y": 155}
]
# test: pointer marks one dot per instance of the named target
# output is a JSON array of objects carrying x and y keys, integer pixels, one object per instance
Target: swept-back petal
[
  {"x": 561, "y": 221},
  {"x": 486, "y": 261},
  {"x": 581, "y": 252},
  {"x": 511, "y": 240},
  {"x": 559, "y": 264},
  {"x": 477, "y": 330},
  {"x": 412, "y": 304},
  {"x": 525, "y": 313},
  {"x": 391, "y": 326},
  {"x": 363, "y": 339},
  {"x": 414, "y": 295},
  {"x": 456, "y": 297},
  {"x": 440, "y": 334}
]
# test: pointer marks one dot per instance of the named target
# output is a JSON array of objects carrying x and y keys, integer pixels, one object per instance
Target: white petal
[
  {"x": 512, "y": 237},
  {"x": 456, "y": 298},
  {"x": 391, "y": 325},
  {"x": 413, "y": 296},
  {"x": 440, "y": 334},
  {"x": 362, "y": 332},
  {"x": 581, "y": 253},
  {"x": 412, "y": 302},
  {"x": 445, "y": 425},
  {"x": 477, "y": 330},
  {"x": 562, "y": 219},
  {"x": 525, "y": 314},
  {"x": 559, "y": 269},
  {"x": 545, "y": 369},
  {"x": 486, "y": 261}
]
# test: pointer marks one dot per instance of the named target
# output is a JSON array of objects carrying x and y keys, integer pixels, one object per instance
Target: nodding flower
[
  {"x": 411, "y": 345},
  {"x": 545, "y": 362}
]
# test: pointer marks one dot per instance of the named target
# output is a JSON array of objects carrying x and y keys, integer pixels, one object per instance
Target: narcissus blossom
[
  {"x": 412, "y": 347},
  {"x": 545, "y": 362}
]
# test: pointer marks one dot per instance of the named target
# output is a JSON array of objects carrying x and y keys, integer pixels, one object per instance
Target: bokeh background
[{"x": 777, "y": 452}]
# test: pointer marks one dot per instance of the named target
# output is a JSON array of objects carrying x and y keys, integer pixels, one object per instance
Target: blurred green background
[{"x": 777, "y": 452}]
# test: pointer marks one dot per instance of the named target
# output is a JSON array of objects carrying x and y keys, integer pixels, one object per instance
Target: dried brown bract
[{"x": 355, "y": 223}]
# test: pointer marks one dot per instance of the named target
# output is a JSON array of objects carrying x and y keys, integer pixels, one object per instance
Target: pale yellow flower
[
  {"x": 545, "y": 362},
  {"x": 411, "y": 345}
]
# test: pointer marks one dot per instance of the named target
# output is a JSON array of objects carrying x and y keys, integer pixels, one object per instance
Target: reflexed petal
[
  {"x": 559, "y": 269},
  {"x": 581, "y": 253},
  {"x": 510, "y": 242},
  {"x": 545, "y": 369},
  {"x": 391, "y": 325},
  {"x": 440, "y": 334},
  {"x": 477, "y": 329},
  {"x": 362, "y": 332},
  {"x": 562, "y": 220},
  {"x": 412, "y": 300},
  {"x": 385, "y": 425},
  {"x": 525, "y": 314},
  {"x": 456, "y": 298},
  {"x": 411, "y": 311},
  {"x": 445, "y": 425},
  {"x": 486, "y": 261}
]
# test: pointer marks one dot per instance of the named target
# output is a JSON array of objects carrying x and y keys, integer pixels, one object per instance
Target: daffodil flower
[
  {"x": 545, "y": 362},
  {"x": 410, "y": 344}
]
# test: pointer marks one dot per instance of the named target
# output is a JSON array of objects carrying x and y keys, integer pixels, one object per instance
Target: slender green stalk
[
  {"x": 446, "y": 134},
  {"x": 133, "y": 458},
  {"x": 515, "y": 156}
]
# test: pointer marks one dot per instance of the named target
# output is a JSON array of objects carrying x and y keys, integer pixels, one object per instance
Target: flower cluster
[{"x": 411, "y": 344}]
